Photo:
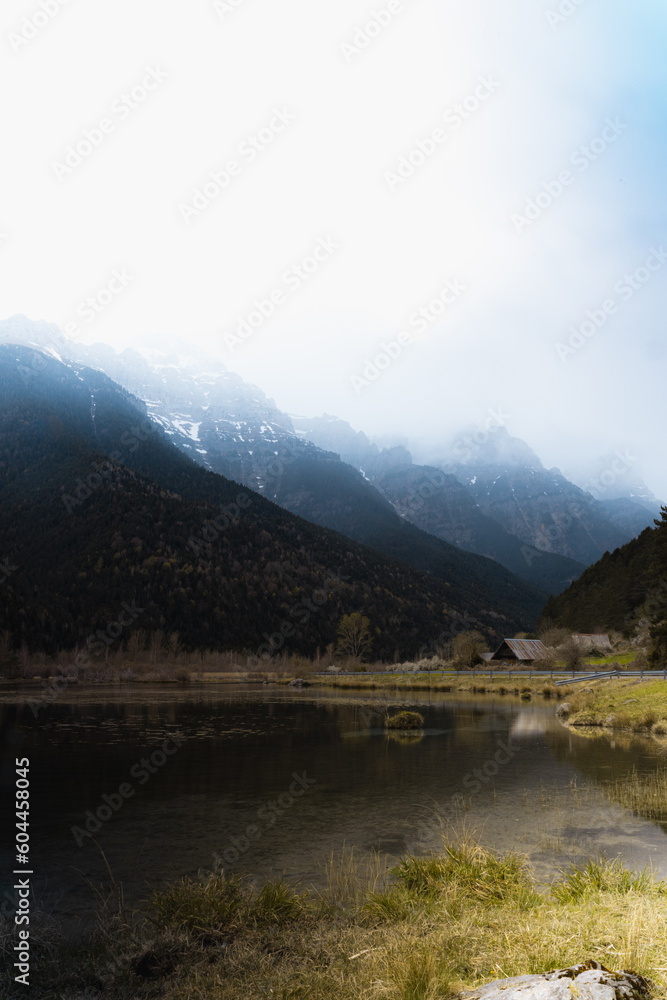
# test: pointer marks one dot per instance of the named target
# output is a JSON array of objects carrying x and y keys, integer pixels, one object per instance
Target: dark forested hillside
[
  {"x": 623, "y": 587},
  {"x": 99, "y": 513}
]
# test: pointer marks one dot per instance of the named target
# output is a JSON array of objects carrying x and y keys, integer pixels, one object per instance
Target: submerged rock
[
  {"x": 563, "y": 710},
  {"x": 587, "y": 981}
]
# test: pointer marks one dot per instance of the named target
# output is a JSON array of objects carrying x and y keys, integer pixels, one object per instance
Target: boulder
[
  {"x": 298, "y": 682},
  {"x": 563, "y": 710},
  {"x": 587, "y": 981}
]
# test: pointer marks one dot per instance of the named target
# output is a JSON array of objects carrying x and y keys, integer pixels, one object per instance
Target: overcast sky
[{"x": 499, "y": 166}]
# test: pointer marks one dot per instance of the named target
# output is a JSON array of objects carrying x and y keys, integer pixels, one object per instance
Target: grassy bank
[
  {"x": 421, "y": 932},
  {"x": 229, "y": 667},
  {"x": 634, "y": 705},
  {"x": 481, "y": 684}
]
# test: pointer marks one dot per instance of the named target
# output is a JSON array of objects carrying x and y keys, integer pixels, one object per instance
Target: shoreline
[{"x": 428, "y": 926}]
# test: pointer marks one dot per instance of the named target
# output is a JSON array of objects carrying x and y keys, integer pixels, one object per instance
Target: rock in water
[
  {"x": 588, "y": 981},
  {"x": 563, "y": 710},
  {"x": 298, "y": 682}
]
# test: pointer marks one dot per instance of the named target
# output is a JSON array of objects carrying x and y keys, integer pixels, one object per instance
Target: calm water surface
[{"x": 271, "y": 781}]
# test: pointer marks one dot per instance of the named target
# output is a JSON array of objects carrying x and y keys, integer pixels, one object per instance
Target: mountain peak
[{"x": 492, "y": 448}]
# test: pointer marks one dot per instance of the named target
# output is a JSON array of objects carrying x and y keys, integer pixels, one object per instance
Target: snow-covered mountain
[
  {"x": 501, "y": 482},
  {"x": 497, "y": 501}
]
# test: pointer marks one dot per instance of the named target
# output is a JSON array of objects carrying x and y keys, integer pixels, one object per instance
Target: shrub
[
  {"x": 570, "y": 651},
  {"x": 404, "y": 720}
]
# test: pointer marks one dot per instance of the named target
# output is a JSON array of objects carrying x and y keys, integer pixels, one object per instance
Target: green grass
[
  {"x": 625, "y": 659},
  {"x": 605, "y": 876},
  {"x": 420, "y": 931},
  {"x": 634, "y": 705}
]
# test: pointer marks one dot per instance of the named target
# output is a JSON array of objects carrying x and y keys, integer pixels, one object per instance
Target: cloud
[{"x": 552, "y": 90}]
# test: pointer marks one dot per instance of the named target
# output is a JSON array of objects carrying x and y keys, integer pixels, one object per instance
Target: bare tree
[
  {"x": 467, "y": 647},
  {"x": 354, "y": 635}
]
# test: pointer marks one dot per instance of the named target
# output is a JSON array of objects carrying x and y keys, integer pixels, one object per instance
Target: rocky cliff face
[{"x": 494, "y": 498}]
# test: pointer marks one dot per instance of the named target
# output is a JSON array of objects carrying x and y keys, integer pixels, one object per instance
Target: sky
[{"x": 413, "y": 214}]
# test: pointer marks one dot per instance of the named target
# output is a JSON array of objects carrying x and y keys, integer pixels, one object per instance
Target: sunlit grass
[
  {"x": 424, "y": 929},
  {"x": 639, "y": 706},
  {"x": 644, "y": 794}
]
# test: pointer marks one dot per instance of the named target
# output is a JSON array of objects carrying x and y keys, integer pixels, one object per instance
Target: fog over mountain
[
  {"x": 312, "y": 268},
  {"x": 484, "y": 491}
]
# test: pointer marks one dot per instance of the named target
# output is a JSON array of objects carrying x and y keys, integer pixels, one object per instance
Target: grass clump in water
[
  {"x": 404, "y": 720},
  {"x": 604, "y": 876},
  {"x": 644, "y": 794},
  {"x": 474, "y": 872}
]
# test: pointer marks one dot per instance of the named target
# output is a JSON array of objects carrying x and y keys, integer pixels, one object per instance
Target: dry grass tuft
[{"x": 421, "y": 932}]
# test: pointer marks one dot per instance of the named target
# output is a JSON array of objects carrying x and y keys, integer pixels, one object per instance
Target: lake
[{"x": 161, "y": 781}]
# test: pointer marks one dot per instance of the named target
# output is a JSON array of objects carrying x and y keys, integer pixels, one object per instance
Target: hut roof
[{"x": 521, "y": 649}]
